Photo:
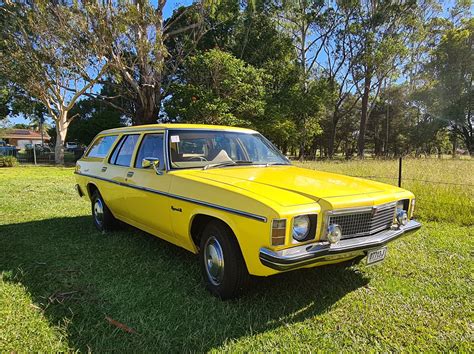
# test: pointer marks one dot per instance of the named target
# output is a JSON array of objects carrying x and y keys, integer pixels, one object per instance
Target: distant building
[{"x": 22, "y": 137}]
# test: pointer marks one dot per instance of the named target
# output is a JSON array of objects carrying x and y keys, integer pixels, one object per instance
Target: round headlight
[
  {"x": 334, "y": 233},
  {"x": 301, "y": 227},
  {"x": 402, "y": 217}
]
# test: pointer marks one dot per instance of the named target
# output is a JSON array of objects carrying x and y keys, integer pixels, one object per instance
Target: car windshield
[{"x": 213, "y": 149}]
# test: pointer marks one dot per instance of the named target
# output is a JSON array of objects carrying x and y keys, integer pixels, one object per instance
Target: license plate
[{"x": 376, "y": 256}]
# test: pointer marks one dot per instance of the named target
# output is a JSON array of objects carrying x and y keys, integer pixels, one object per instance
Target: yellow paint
[{"x": 273, "y": 192}]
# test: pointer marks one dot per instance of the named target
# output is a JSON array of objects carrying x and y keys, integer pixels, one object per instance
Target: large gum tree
[{"x": 52, "y": 51}]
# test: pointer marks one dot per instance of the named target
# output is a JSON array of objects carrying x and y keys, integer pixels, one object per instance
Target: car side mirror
[{"x": 148, "y": 162}]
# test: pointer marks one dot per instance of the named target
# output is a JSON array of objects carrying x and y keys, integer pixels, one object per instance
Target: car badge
[{"x": 375, "y": 211}]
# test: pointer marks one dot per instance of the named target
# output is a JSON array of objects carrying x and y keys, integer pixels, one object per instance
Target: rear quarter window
[{"x": 101, "y": 146}]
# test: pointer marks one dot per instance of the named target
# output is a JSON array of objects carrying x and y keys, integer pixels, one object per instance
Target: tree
[
  {"x": 341, "y": 57},
  {"x": 137, "y": 36},
  {"x": 49, "y": 52},
  {"x": 378, "y": 33},
  {"x": 216, "y": 88},
  {"x": 5, "y": 99},
  {"x": 309, "y": 25},
  {"x": 452, "y": 66}
]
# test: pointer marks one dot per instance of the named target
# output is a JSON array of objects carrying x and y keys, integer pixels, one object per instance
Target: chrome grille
[{"x": 365, "y": 221}]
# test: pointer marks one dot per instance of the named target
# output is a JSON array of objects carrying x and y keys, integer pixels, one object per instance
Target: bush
[{"x": 8, "y": 161}]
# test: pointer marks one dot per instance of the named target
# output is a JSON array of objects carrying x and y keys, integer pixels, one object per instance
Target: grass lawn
[{"x": 62, "y": 282}]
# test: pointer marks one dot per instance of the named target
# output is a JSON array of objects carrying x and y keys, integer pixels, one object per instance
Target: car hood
[{"x": 310, "y": 184}]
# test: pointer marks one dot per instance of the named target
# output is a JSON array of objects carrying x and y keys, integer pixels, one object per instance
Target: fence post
[
  {"x": 400, "y": 171},
  {"x": 34, "y": 153}
]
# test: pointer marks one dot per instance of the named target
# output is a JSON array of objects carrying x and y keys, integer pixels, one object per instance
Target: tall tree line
[{"x": 319, "y": 78}]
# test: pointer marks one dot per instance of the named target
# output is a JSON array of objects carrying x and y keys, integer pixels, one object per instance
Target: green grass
[{"x": 60, "y": 279}]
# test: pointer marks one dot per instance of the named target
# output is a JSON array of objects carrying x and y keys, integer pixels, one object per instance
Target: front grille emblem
[{"x": 374, "y": 211}]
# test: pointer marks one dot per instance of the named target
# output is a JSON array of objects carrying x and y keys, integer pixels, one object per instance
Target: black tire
[
  {"x": 234, "y": 278},
  {"x": 107, "y": 221}
]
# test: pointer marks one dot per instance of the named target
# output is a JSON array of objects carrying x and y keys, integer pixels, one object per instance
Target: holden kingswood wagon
[{"x": 230, "y": 196}]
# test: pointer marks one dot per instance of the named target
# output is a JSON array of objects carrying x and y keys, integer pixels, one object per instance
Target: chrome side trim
[
  {"x": 179, "y": 197},
  {"x": 166, "y": 150},
  {"x": 318, "y": 252}
]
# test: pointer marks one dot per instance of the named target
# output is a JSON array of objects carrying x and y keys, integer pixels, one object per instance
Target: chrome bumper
[{"x": 323, "y": 251}]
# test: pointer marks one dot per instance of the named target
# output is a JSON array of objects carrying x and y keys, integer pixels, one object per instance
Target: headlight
[{"x": 301, "y": 227}]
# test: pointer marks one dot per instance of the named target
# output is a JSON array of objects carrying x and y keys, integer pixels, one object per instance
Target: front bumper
[{"x": 319, "y": 252}]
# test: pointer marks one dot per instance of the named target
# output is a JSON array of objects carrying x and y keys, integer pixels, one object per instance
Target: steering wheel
[{"x": 198, "y": 158}]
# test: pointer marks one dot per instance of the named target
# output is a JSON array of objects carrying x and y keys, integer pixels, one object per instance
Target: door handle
[
  {"x": 104, "y": 169},
  {"x": 130, "y": 174}
]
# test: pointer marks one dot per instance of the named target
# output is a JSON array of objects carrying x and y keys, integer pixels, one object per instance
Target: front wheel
[
  {"x": 222, "y": 264},
  {"x": 103, "y": 218}
]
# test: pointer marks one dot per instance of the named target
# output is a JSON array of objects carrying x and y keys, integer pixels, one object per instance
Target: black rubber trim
[{"x": 178, "y": 197}]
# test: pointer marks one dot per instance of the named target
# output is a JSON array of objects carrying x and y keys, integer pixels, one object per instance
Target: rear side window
[
  {"x": 151, "y": 147},
  {"x": 101, "y": 146},
  {"x": 122, "y": 154}
]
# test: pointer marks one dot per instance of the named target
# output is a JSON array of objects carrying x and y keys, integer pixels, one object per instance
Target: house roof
[{"x": 26, "y": 134}]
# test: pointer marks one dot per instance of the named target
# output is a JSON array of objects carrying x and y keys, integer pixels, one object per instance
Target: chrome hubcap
[
  {"x": 214, "y": 260},
  {"x": 99, "y": 212}
]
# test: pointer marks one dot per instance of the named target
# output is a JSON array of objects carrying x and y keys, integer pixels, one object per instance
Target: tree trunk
[
  {"x": 332, "y": 136},
  {"x": 147, "y": 111},
  {"x": 364, "y": 113},
  {"x": 302, "y": 141},
  {"x": 148, "y": 86},
  {"x": 61, "y": 132},
  {"x": 455, "y": 143}
]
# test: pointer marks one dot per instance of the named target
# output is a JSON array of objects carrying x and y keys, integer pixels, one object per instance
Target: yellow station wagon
[{"x": 230, "y": 196}]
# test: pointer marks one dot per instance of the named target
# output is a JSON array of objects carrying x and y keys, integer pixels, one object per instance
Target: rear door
[
  {"x": 150, "y": 206},
  {"x": 116, "y": 172}
]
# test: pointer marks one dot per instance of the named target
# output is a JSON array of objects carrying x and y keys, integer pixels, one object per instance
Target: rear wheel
[
  {"x": 102, "y": 217},
  {"x": 222, "y": 264}
]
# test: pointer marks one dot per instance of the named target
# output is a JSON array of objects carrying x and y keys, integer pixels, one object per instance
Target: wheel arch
[
  {"x": 199, "y": 222},
  {"x": 91, "y": 188}
]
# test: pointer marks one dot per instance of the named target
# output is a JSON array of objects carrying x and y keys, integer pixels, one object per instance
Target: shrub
[{"x": 8, "y": 161}]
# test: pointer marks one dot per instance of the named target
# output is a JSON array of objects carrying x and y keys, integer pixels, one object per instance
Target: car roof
[{"x": 148, "y": 127}]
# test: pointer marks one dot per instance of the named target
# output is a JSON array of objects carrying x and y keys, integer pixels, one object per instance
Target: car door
[
  {"x": 150, "y": 206},
  {"x": 116, "y": 171}
]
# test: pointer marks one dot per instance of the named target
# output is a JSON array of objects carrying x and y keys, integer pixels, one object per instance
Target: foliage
[
  {"x": 5, "y": 99},
  {"x": 8, "y": 161},
  {"x": 93, "y": 116},
  {"x": 216, "y": 88},
  {"x": 137, "y": 36},
  {"x": 452, "y": 67},
  {"x": 390, "y": 77}
]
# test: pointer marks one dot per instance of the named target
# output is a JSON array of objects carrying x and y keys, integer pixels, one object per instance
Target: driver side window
[{"x": 151, "y": 147}]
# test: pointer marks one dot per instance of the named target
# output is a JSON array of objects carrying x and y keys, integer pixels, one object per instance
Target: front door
[{"x": 150, "y": 206}]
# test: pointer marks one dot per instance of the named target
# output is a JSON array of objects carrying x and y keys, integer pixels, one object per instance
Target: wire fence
[
  {"x": 43, "y": 155},
  {"x": 413, "y": 180}
]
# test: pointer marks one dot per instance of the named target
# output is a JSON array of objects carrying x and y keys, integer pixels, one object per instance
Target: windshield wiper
[
  {"x": 228, "y": 163},
  {"x": 277, "y": 164}
]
